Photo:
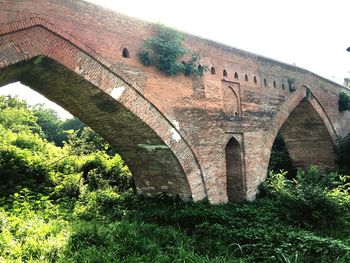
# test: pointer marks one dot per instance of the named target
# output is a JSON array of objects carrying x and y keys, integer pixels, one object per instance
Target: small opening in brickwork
[
  {"x": 224, "y": 73},
  {"x": 255, "y": 80},
  {"x": 212, "y": 70},
  {"x": 200, "y": 67},
  {"x": 282, "y": 85},
  {"x": 274, "y": 84},
  {"x": 126, "y": 53},
  {"x": 265, "y": 83},
  {"x": 236, "y": 75},
  {"x": 246, "y": 77}
]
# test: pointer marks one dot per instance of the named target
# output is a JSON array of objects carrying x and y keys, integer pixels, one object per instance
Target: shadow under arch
[
  {"x": 307, "y": 132},
  {"x": 235, "y": 181},
  {"x": 36, "y": 54}
]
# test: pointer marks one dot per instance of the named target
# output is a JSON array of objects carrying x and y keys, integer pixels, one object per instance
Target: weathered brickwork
[{"x": 207, "y": 137}]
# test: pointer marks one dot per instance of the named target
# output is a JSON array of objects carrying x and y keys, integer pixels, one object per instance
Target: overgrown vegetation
[
  {"x": 75, "y": 203},
  {"x": 165, "y": 49},
  {"x": 343, "y": 153},
  {"x": 291, "y": 85},
  {"x": 344, "y": 101},
  {"x": 279, "y": 158}
]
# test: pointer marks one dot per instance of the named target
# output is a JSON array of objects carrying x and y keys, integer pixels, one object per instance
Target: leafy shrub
[
  {"x": 68, "y": 187},
  {"x": 75, "y": 204},
  {"x": 343, "y": 154},
  {"x": 164, "y": 51},
  {"x": 344, "y": 101},
  {"x": 291, "y": 85},
  {"x": 279, "y": 158},
  {"x": 309, "y": 200}
]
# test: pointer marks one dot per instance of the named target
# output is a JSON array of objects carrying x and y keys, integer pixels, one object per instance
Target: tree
[
  {"x": 50, "y": 123},
  {"x": 16, "y": 116}
]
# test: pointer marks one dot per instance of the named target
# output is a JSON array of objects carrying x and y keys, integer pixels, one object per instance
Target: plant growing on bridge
[
  {"x": 344, "y": 101},
  {"x": 291, "y": 85},
  {"x": 164, "y": 51}
]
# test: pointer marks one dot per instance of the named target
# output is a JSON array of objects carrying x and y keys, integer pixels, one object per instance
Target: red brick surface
[{"x": 191, "y": 116}]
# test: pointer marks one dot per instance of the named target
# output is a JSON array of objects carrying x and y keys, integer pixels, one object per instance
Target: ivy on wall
[{"x": 165, "y": 49}]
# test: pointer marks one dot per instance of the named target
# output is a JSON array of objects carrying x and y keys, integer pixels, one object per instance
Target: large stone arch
[
  {"x": 55, "y": 64},
  {"x": 306, "y": 130}
]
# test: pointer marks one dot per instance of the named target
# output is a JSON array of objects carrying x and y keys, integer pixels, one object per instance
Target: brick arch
[
  {"x": 307, "y": 131},
  {"x": 41, "y": 56}
]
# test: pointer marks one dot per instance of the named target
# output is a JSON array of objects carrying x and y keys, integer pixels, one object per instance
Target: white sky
[{"x": 310, "y": 34}]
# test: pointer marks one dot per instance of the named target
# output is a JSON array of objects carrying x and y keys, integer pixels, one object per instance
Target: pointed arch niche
[
  {"x": 231, "y": 99},
  {"x": 234, "y": 171}
]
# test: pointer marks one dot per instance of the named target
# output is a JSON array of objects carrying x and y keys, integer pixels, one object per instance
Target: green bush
[
  {"x": 344, "y": 101},
  {"x": 279, "y": 158},
  {"x": 164, "y": 51},
  {"x": 343, "y": 154},
  {"x": 291, "y": 85},
  {"x": 311, "y": 199},
  {"x": 75, "y": 204}
]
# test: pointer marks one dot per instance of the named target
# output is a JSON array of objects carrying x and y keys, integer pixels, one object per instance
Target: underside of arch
[
  {"x": 307, "y": 138},
  {"x": 153, "y": 165},
  {"x": 158, "y": 157}
]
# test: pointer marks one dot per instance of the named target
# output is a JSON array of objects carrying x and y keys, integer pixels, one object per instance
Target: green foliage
[
  {"x": 73, "y": 124},
  {"x": 311, "y": 199},
  {"x": 279, "y": 158},
  {"x": 343, "y": 153},
  {"x": 344, "y": 101},
  {"x": 50, "y": 123},
  {"x": 86, "y": 141},
  {"x": 16, "y": 116},
  {"x": 76, "y": 204},
  {"x": 309, "y": 94},
  {"x": 291, "y": 85},
  {"x": 190, "y": 67},
  {"x": 164, "y": 51}
]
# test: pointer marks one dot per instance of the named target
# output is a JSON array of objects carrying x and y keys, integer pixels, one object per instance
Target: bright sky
[{"x": 310, "y": 34}]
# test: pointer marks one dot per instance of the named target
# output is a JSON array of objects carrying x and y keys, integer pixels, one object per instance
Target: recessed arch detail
[
  {"x": 37, "y": 46},
  {"x": 234, "y": 171},
  {"x": 231, "y": 101}
]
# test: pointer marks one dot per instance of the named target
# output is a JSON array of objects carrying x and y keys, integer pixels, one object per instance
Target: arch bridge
[{"x": 208, "y": 137}]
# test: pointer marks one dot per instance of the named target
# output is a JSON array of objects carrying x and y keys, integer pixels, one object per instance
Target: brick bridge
[{"x": 208, "y": 137}]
